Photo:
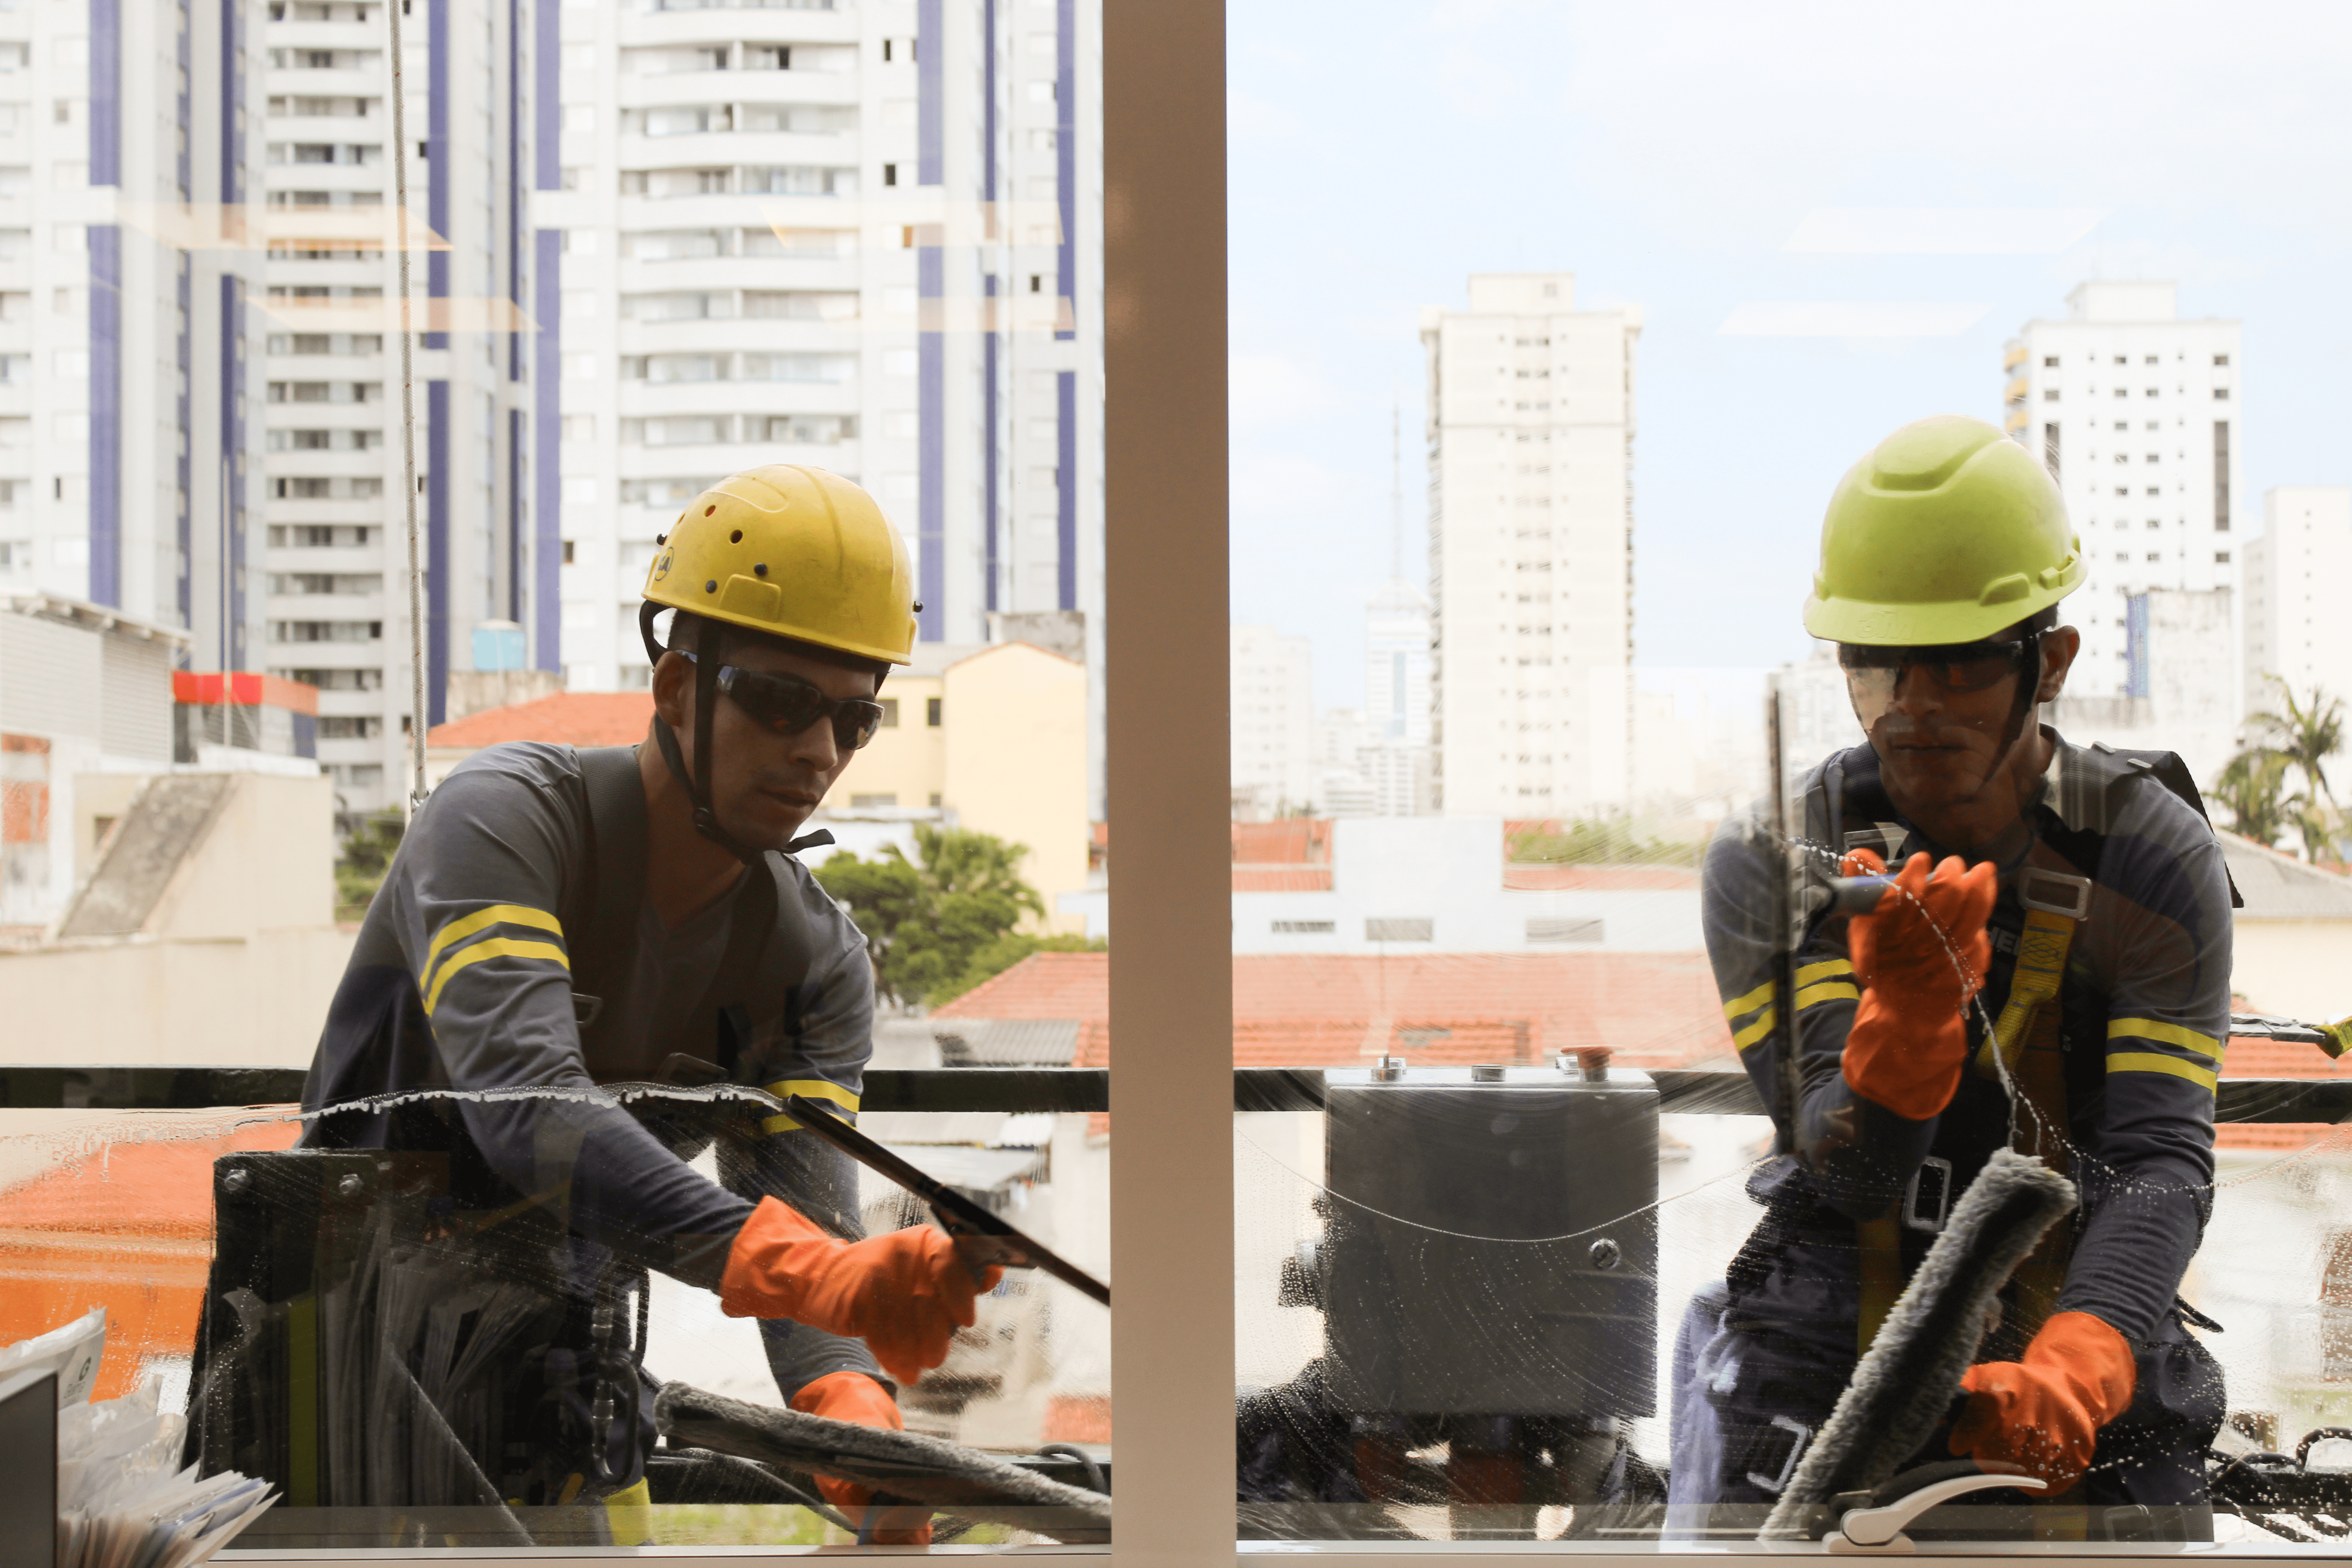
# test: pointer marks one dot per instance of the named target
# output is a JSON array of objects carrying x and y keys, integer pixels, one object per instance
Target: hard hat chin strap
[
  {"x": 707, "y": 652},
  {"x": 2029, "y": 685}
]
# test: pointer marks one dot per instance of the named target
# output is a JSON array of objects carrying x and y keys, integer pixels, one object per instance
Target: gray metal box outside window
[{"x": 1465, "y": 1271}]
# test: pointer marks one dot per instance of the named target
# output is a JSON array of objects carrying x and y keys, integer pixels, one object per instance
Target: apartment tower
[
  {"x": 1531, "y": 548},
  {"x": 856, "y": 235},
  {"x": 2138, "y": 415},
  {"x": 130, "y": 446}
]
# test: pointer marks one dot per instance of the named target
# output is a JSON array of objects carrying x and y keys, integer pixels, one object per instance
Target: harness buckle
[
  {"x": 1912, "y": 1219},
  {"x": 2077, "y": 890}
]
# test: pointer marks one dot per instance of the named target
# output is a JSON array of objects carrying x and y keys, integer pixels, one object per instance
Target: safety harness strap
[{"x": 768, "y": 946}]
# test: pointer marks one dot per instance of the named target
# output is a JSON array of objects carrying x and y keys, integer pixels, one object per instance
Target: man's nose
[
  {"x": 1916, "y": 692},
  {"x": 814, "y": 746}
]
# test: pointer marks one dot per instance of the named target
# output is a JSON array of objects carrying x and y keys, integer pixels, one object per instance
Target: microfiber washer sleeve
[{"x": 1905, "y": 1384}]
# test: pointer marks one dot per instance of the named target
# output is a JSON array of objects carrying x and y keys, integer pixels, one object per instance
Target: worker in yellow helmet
[
  {"x": 2051, "y": 968},
  {"x": 557, "y": 921}
]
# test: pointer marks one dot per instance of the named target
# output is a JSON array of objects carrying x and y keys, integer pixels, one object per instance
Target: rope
[{"x": 408, "y": 416}]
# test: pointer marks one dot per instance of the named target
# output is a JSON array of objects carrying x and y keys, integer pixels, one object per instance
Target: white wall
[
  {"x": 2297, "y": 573},
  {"x": 1449, "y": 871},
  {"x": 1273, "y": 720}
]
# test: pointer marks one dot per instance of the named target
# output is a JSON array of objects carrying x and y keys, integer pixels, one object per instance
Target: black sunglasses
[
  {"x": 788, "y": 705},
  {"x": 1955, "y": 666}
]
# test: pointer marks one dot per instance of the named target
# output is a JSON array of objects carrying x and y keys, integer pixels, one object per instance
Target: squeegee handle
[
  {"x": 1884, "y": 1526},
  {"x": 1858, "y": 895},
  {"x": 987, "y": 1237}
]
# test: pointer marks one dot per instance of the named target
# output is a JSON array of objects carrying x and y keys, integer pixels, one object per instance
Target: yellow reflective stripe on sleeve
[
  {"x": 500, "y": 947},
  {"x": 1756, "y": 1030},
  {"x": 1749, "y": 1003},
  {"x": 815, "y": 1089},
  {"x": 458, "y": 929},
  {"x": 1828, "y": 991},
  {"x": 2164, "y": 1034},
  {"x": 1827, "y": 969},
  {"x": 2148, "y": 1061}
]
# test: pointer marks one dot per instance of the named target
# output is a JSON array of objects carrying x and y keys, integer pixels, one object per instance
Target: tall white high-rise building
[
  {"x": 856, "y": 235},
  {"x": 1398, "y": 764},
  {"x": 2295, "y": 577},
  {"x": 1531, "y": 553},
  {"x": 1396, "y": 663},
  {"x": 337, "y": 550},
  {"x": 1272, "y": 723},
  {"x": 2138, "y": 414},
  {"x": 129, "y": 430}
]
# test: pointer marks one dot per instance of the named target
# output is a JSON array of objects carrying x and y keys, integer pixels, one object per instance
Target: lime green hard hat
[{"x": 1944, "y": 533}]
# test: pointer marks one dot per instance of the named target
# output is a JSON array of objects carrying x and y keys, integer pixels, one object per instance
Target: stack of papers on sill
[{"x": 123, "y": 1500}]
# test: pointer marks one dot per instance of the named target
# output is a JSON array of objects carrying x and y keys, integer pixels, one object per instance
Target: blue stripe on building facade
[
  {"x": 436, "y": 550},
  {"x": 105, "y": 243},
  {"x": 547, "y": 401},
  {"x": 514, "y": 515},
  {"x": 1065, "y": 167},
  {"x": 930, "y": 109},
  {"x": 990, "y": 524},
  {"x": 547, "y": 511},
  {"x": 183, "y": 418},
  {"x": 105, "y": 415},
  {"x": 184, "y": 537},
  {"x": 930, "y": 350},
  {"x": 105, "y": 92},
  {"x": 514, "y": 198},
  {"x": 437, "y": 201},
  {"x": 1066, "y": 490},
  {"x": 932, "y": 387},
  {"x": 232, "y": 423}
]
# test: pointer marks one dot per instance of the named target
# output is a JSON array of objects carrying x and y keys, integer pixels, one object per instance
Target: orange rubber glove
[
  {"x": 904, "y": 1294},
  {"x": 1910, "y": 1034},
  {"x": 2044, "y": 1413},
  {"x": 855, "y": 1397}
]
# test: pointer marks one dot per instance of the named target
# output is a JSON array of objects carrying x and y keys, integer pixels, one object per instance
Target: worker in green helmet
[{"x": 2051, "y": 971}]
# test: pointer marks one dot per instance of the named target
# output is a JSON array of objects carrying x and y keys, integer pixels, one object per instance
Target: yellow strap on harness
[
  {"x": 2042, "y": 950},
  {"x": 2025, "y": 1041}
]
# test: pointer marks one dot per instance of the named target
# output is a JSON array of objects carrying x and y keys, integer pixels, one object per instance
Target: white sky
[{"x": 1753, "y": 166}]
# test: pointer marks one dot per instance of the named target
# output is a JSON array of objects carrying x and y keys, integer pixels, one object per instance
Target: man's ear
[
  {"x": 2059, "y": 647},
  {"x": 673, "y": 685}
]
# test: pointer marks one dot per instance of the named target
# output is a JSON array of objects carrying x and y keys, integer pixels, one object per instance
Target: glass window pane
[
  {"x": 464, "y": 799},
  {"x": 1675, "y": 488}
]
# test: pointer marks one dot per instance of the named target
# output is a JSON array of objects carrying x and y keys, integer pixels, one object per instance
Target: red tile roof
[
  {"x": 1314, "y": 1009},
  {"x": 566, "y": 718},
  {"x": 2277, "y": 1058},
  {"x": 1292, "y": 840},
  {"x": 1282, "y": 879},
  {"x": 1328, "y": 1010}
]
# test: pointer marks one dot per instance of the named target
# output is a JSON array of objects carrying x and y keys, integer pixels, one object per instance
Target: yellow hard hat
[
  {"x": 794, "y": 553},
  {"x": 1944, "y": 533}
]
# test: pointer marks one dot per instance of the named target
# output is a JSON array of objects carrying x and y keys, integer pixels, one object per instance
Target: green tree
[
  {"x": 926, "y": 920},
  {"x": 1596, "y": 841},
  {"x": 2304, "y": 733},
  {"x": 2254, "y": 787},
  {"x": 2307, "y": 733},
  {"x": 366, "y": 857}
]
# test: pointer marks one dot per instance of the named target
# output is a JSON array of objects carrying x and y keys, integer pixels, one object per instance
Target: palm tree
[
  {"x": 2253, "y": 787},
  {"x": 2306, "y": 736}
]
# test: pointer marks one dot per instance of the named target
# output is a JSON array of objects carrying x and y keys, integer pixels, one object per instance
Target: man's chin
[
  {"x": 1941, "y": 779},
  {"x": 767, "y": 829}
]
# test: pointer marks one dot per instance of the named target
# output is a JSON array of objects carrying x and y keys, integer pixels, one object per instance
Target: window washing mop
[{"x": 1903, "y": 1387}]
